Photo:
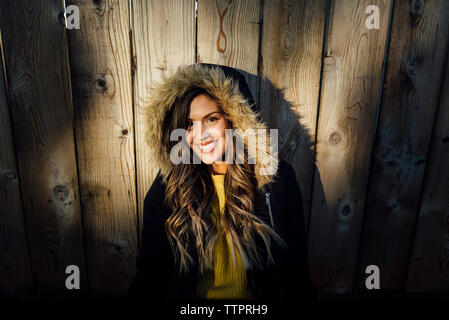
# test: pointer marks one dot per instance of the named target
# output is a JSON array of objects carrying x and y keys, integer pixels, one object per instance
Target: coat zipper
[
  {"x": 267, "y": 201},
  {"x": 258, "y": 291}
]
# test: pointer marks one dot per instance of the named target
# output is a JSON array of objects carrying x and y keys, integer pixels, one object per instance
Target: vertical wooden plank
[
  {"x": 40, "y": 103},
  {"x": 100, "y": 63},
  {"x": 228, "y": 34},
  {"x": 163, "y": 39},
  {"x": 15, "y": 270},
  {"x": 351, "y": 79},
  {"x": 292, "y": 36},
  {"x": 415, "y": 68},
  {"x": 429, "y": 267}
]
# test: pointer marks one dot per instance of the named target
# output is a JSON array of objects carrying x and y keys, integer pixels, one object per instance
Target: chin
[{"x": 210, "y": 161}]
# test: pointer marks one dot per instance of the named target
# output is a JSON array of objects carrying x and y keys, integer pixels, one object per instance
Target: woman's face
[{"x": 206, "y": 129}]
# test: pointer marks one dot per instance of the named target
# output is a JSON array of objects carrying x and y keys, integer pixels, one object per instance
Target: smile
[{"x": 208, "y": 147}]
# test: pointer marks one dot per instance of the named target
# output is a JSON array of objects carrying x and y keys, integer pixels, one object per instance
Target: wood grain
[
  {"x": 415, "y": 67},
  {"x": 429, "y": 266},
  {"x": 347, "y": 117},
  {"x": 39, "y": 95},
  {"x": 292, "y": 34},
  {"x": 100, "y": 63},
  {"x": 228, "y": 34},
  {"x": 15, "y": 270},
  {"x": 163, "y": 39}
]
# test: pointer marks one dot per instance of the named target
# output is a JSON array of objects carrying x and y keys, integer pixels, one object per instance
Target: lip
[
  {"x": 207, "y": 147},
  {"x": 205, "y": 142}
]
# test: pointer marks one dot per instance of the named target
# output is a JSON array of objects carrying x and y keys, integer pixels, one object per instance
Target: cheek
[
  {"x": 221, "y": 128},
  {"x": 189, "y": 140},
  {"x": 219, "y": 133},
  {"x": 224, "y": 141}
]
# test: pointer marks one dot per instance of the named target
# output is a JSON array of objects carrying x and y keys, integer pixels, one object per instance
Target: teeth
[{"x": 208, "y": 147}]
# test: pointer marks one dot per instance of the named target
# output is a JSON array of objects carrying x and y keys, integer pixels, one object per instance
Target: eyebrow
[{"x": 208, "y": 114}]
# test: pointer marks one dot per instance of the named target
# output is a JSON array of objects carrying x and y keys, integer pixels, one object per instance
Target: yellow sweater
[{"x": 225, "y": 281}]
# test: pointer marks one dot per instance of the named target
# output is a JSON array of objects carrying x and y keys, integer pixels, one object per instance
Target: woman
[{"x": 219, "y": 221}]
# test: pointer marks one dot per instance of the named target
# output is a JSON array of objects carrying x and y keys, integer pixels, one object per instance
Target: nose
[{"x": 200, "y": 132}]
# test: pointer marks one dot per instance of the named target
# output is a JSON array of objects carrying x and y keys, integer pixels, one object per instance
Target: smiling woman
[
  {"x": 206, "y": 131},
  {"x": 218, "y": 229}
]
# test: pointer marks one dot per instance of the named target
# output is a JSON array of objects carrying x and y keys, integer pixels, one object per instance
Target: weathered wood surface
[
  {"x": 100, "y": 62},
  {"x": 292, "y": 40},
  {"x": 392, "y": 212},
  {"x": 39, "y": 96},
  {"x": 347, "y": 117},
  {"x": 228, "y": 34},
  {"x": 415, "y": 67},
  {"x": 163, "y": 39},
  {"x": 429, "y": 264},
  {"x": 15, "y": 270}
]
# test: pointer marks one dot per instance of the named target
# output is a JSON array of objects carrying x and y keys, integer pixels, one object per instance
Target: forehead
[{"x": 201, "y": 106}]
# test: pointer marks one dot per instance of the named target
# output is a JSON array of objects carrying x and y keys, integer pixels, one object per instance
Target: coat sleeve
[
  {"x": 153, "y": 263},
  {"x": 297, "y": 275}
]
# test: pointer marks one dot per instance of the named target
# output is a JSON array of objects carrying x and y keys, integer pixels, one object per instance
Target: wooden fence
[{"x": 363, "y": 117}]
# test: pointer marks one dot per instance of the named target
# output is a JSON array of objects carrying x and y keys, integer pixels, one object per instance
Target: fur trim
[{"x": 214, "y": 81}]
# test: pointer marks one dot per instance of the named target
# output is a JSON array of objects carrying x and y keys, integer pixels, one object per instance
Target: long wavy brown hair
[{"x": 190, "y": 194}]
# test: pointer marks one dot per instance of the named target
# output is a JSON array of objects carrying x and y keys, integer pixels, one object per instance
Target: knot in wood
[
  {"x": 346, "y": 210},
  {"x": 416, "y": 11},
  {"x": 105, "y": 83},
  {"x": 99, "y": 7},
  {"x": 334, "y": 138},
  {"x": 101, "y": 83},
  {"x": 120, "y": 244},
  {"x": 60, "y": 192},
  {"x": 411, "y": 68},
  {"x": 417, "y": 7},
  {"x": 10, "y": 175}
]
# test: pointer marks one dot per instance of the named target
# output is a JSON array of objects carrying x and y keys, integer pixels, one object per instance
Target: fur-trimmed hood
[{"x": 232, "y": 94}]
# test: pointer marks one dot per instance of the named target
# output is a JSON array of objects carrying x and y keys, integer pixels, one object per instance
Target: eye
[{"x": 212, "y": 119}]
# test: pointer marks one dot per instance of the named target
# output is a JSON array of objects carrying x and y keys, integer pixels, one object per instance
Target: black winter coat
[{"x": 158, "y": 276}]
